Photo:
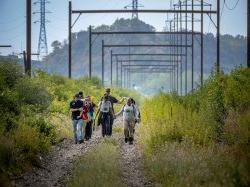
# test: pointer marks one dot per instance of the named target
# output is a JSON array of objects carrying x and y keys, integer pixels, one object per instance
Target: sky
[{"x": 12, "y": 19}]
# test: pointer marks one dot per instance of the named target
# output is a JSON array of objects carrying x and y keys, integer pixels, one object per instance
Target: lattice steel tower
[
  {"x": 42, "y": 42},
  {"x": 134, "y": 6}
]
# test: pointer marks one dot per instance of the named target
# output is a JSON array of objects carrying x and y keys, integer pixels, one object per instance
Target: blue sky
[{"x": 12, "y": 19}]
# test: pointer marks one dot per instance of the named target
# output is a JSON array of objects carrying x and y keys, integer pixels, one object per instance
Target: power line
[
  {"x": 222, "y": 9},
  {"x": 233, "y": 7}
]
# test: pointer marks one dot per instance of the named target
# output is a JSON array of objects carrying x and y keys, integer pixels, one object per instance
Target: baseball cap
[{"x": 107, "y": 89}]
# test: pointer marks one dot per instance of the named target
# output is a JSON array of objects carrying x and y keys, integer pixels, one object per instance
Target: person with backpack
[
  {"x": 105, "y": 112},
  {"x": 75, "y": 108},
  {"x": 89, "y": 126},
  {"x": 138, "y": 118},
  {"x": 85, "y": 118},
  {"x": 112, "y": 100},
  {"x": 129, "y": 117}
]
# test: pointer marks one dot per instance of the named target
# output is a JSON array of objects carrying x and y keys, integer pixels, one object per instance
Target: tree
[{"x": 56, "y": 45}]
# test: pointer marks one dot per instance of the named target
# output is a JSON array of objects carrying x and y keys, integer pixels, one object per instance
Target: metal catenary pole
[
  {"x": 143, "y": 11},
  {"x": 186, "y": 58},
  {"x": 111, "y": 67},
  {"x": 117, "y": 84},
  {"x": 202, "y": 44},
  {"x": 181, "y": 70},
  {"x": 248, "y": 34},
  {"x": 218, "y": 36},
  {"x": 192, "y": 57},
  {"x": 103, "y": 62},
  {"x": 69, "y": 39},
  {"x": 28, "y": 36},
  {"x": 90, "y": 51}
]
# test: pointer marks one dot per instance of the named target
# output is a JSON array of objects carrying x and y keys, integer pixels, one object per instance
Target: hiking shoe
[
  {"x": 81, "y": 141},
  {"x": 126, "y": 140}
]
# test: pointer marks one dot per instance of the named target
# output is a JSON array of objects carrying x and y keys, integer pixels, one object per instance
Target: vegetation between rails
[
  {"x": 99, "y": 167},
  {"x": 35, "y": 114},
  {"x": 201, "y": 139}
]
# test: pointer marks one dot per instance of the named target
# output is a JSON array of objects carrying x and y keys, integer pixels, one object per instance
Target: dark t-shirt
[{"x": 75, "y": 105}]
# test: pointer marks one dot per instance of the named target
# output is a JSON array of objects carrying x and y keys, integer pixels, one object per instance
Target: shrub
[
  {"x": 10, "y": 73},
  {"x": 28, "y": 144},
  {"x": 32, "y": 92}
]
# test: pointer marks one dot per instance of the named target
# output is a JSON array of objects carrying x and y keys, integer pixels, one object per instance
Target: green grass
[
  {"x": 99, "y": 167},
  {"x": 201, "y": 139},
  {"x": 178, "y": 164}
]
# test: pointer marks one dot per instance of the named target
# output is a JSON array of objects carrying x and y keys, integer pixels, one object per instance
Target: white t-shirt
[
  {"x": 105, "y": 106},
  {"x": 128, "y": 112}
]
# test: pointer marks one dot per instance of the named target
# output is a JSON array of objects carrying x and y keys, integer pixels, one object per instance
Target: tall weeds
[{"x": 201, "y": 138}]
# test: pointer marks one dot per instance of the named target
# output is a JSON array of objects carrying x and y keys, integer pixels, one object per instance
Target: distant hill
[{"x": 233, "y": 49}]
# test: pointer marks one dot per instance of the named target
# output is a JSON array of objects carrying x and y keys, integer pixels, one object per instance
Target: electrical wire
[
  {"x": 233, "y": 7},
  {"x": 222, "y": 9}
]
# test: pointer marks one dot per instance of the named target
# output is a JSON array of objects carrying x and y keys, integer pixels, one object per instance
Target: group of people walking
[{"x": 83, "y": 121}]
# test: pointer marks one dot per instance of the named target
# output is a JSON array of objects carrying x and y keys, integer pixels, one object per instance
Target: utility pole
[
  {"x": 202, "y": 43},
  {"x": 111, "y": 67},
  {"x": 186, "y": 59},
  {"x": 218, "y": 37},
  {"x": 103, "y": 62},
  {"x": 28, "y": 36},
  {"x": 117, "y": 72},
  {"x": 25, "y": 62},
  {"x": 192, "y": 57},
  {"x": 177, "y": 42},
  {"x": 69, "y": 38},
  {"x": 248, "y": 34},
  {"x": 90, "y": 51},
  {"x": 121, "y": 74},
  {"x": 181, "y": 70}
]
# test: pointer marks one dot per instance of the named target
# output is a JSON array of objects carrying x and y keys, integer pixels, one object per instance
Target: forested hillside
[{"x": 233, "y": 49}]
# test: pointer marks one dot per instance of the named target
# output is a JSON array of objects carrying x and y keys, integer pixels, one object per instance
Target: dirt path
[
  {"x": 57, "y": 165},
  {"x": 131, "y": 161}
]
